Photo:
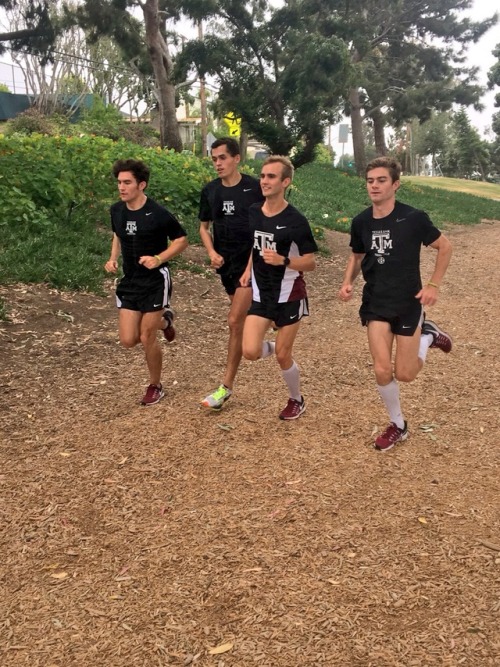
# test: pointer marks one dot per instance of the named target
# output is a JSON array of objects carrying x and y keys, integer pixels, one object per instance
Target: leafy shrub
[
  {"x": 55, "y": 226},
  {"x": 107, "y": 121},
  {"x": 30, "y": 121}
]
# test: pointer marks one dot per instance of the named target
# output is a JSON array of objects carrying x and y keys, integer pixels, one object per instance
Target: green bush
[
  {"x": 56, "y": 192},
  {"x": 31, "y": 121}
]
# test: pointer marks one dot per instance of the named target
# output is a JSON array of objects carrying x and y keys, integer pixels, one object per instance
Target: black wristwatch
[{"x": 287, "y": 261}]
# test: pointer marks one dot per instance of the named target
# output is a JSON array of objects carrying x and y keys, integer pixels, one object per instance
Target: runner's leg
[
  {"x": 150, "y": 323},
  {"x": 240, "y": 303}
]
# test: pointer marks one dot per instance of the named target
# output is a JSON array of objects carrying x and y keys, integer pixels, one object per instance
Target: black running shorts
[
  {"x": 401, "y": 325},
  {"x": 145, "y": 295},
  {"x": 231, "y": 282},
  {"x": 282, "y": 314}
]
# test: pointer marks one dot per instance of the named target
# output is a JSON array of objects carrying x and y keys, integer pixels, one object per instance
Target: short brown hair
[
  {"x": 137, "y": 168},
  {"x": 389, "y": 163},
  {"x": 287, "y": 171},
  {"x": 232, "y": 146}
]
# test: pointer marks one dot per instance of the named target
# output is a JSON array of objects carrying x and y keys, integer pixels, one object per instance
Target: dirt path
[{"x": 146, "y": 537}]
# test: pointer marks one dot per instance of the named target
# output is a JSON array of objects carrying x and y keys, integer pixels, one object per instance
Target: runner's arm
[
  {"x": 351, "y": 273},
  {"x": 111, "y": 265},
  {"x": 177, "y": 246},
  {"x": 246, "y": 276},
  {"x": 216, "y": 260},
  {"x": 428, "y": 295}
]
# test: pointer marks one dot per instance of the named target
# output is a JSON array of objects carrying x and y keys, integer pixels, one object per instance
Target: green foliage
[
  {"x": 31, "y": 121},
  {"x": 37, "y": 33},
  {"x": 324, "y": 154},
  {"x": 4, "y": 88},
  {"x": 106, "y": 121},
  {"x": 330, "y": 198},
  {"x": 55, "y": 223},
  {"x": 56, "y": 192},
  {"x": 102, "y": 120},
  {"x": 280, "y": 75}
]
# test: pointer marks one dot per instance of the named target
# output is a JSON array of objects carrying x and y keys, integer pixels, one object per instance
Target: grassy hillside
[
  {"x": 331, "y": 198},
  {"x": 55, "y": 225},
  {"x": 478, "y": 188}
]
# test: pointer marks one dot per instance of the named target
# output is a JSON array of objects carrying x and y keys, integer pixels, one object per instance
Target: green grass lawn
[
  {"x": 330, "y": 198},
  {"x": 478, "y": 188}
]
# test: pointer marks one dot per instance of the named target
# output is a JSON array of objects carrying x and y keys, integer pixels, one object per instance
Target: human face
[
  {"x": 129, "y": 189},
  {"x": 381, "y": 189},
  {"x": 226, "y": 165},
  {"x": 272, "y": 182}
]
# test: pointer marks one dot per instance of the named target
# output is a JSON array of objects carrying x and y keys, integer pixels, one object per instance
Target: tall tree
[
  {"x": 466, "y": 154},
  {"x": 494, "y": 81},
  {"x": 285, "y": 82},
  {"x": 115, "y": 18},
  {"x": 36, "y": 32},
  {"x": 407, "y": 55}
]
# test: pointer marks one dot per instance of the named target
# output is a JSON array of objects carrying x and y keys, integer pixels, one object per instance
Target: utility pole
[{"x": 203, "y": 102}]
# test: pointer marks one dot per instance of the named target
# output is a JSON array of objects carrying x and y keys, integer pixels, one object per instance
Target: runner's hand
[
  {"x": 428, "y": 295},
  {"x": 149, "y": 262},
  {"x": 245, "y": 278},
  {"x": 216, "y": 260},
  {"x": 111, "y": 266},
  {"x": 345, "y": 292},
  {"x": 272, "y": 257}
]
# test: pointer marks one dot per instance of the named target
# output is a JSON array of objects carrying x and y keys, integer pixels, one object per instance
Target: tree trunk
[
  {"x": 162, "y": 67},
  {"x": 358, "y": 143},
  {"x": 378, "y": 131},
  {"x": 243, "y": 141}
]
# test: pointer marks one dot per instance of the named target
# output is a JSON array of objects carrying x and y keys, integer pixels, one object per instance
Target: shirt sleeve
[
  {"x": 174, "y": 228},
  {"x": 304, "y": 238},
  {"x": 356, "y": 239},
  {"x": 430, "y": 232},
  {"x": 205, "y": 212}
]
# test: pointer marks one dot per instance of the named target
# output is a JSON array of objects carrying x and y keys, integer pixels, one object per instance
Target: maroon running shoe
[
  {"x": 390, "y": 437},
  {"x": 154, "y": 393},
  {"x": 293, "y": 409},
  {"x": 442, "y": 340},
  {"x": 169, "y": 330}
]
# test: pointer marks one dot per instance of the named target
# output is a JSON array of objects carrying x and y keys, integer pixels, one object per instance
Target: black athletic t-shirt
[
  {"x": 227, "y": 209},
  {"x": 391, "y": 266},
  {"x": 146, "y": 231},
  {"x": 289, "y": 234}
]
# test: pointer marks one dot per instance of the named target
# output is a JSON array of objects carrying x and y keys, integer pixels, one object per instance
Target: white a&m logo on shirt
[
  {"x": 228, "y": 208},
  {"x": 381, "y": 241},
  {"x": 131, "y": 228},
  {"x": 264, "y": 240}
]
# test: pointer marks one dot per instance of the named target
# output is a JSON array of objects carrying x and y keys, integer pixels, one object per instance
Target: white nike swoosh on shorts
[{"x": 278, "y": 227}]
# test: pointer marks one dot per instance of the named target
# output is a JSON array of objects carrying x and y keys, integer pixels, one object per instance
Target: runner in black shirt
[
  {"x": 386, "y": 240},
  {"x": 142, "y": 230},
  {"x": 224, "y": 203},
  {"x": 283, "y": 248}
]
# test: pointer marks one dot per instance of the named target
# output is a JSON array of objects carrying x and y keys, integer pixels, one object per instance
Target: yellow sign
[{"x": 233, "y": 124}]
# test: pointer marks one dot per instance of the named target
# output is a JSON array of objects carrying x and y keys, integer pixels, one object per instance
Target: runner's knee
[
  {"x": 383, "y": 373},
  {"x": 405, "y": 374}
]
